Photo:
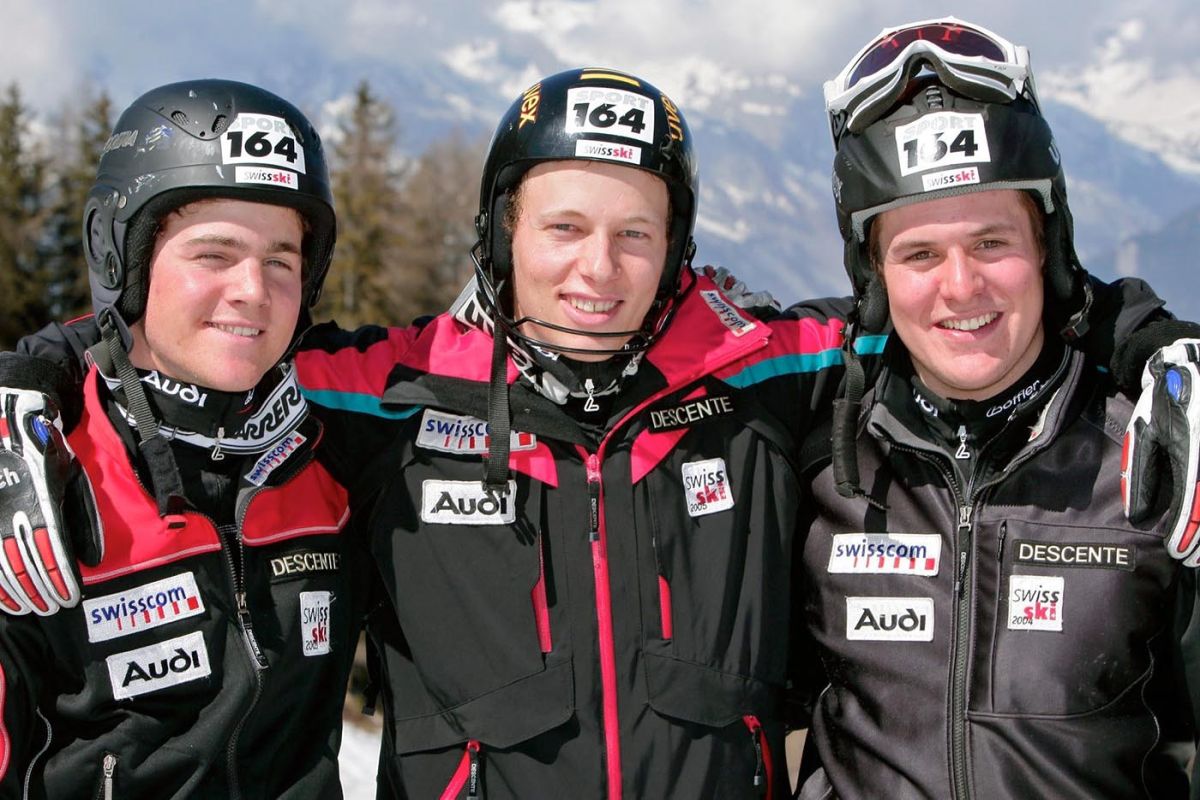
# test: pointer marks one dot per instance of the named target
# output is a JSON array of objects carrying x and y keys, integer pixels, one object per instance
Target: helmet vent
[
  {"x": 180, "y": 118},
  {"x": 933, "y": 97},
  {"x": 220, "y": 123}
]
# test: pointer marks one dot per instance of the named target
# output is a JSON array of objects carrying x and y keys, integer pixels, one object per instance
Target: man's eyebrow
[{"x": 281, "y": 246}]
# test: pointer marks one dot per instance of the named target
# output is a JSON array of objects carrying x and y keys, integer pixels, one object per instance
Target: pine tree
[
  {"x": 22, "y": 177},
  {"x": 63, "y": 264},
  {"x": 439, "y": 203},
  {"x": 366, "y": 184}
]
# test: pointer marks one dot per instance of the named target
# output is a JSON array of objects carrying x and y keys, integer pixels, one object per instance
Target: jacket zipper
[
  {"x": 604, "y": 618},
  {"x": 108, "y": 769},
  {"x": 467, "y": 774},
  {"x": 764, "y": 773},
  {"x": 541, "y": 608},
  {"x": 596, "y": 537},
  {"x": 956, "y": 709},
  {"x": 237, "y": 577}
]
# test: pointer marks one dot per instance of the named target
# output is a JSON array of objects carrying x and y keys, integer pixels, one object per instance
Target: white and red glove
[
  {"x": 46, "y": 506},
  {"x": 1164, "y": 432},
  {"x": 736, "y": 291}
]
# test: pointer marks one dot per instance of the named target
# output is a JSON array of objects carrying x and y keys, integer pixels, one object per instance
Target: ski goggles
[{"x": 968, "y": 59}]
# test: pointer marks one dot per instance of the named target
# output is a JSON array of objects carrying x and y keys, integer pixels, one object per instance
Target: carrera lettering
[
  {"x": 1095, "y": 555},
  {"x": 681, "y": 416},
  {"x": 885, "y": 553},
  {"x": 466, "y": 503},
  {"x": 142, "y": 607},
  {"x": 285, "y": 404},
  {"x": 159, "y": 666},
  {"x": 889, "y": 619},
  {"x": 304, "y": 563}
]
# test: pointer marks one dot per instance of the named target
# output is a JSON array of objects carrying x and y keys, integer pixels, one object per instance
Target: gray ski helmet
[
  {"x": 190, "y": 141},
  {"x": 593, "y": 114},
  {"x": 941, "y": 144}
]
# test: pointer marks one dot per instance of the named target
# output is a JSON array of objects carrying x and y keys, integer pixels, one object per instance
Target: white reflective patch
[
  {"x": 889, "y": 619},
  {"x": 262, "y": 139},
  {"x": 466, "y": 503},
  {"x": 612, "y": 112},
  {"x": 314, "y": 623},
  {"x": 158, "y": 666},
  {"x": 706, "y": 487},
  {"x": 454, "y": 433},
  {"x": 729, "y": 314},
  {"x": 586, "y": 148},
  {"x": 142, "y": 607},
  {"x": 1035, "y": 602},
  {"x": 898, "y": 553},
  {"x": 941, "y": 140},
  {"x": 951, "y": 177},
  {"x": 271, "y": 177}
]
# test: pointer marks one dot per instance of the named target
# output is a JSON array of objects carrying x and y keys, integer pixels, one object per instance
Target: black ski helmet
[
  {"x": 593, "y": 114},
  {"x": 190, "y": 141},
  {"x": 940, "y": 144}
]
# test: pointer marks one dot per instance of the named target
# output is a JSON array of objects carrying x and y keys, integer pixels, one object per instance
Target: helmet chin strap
[{"x": 164, "y": 472}]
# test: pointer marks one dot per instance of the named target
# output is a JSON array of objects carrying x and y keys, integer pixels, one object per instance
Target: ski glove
[
  {"x": 736, "y": 291},
  {"x": 1165, "y": 427},
  {"x": 46, "y": 507}
]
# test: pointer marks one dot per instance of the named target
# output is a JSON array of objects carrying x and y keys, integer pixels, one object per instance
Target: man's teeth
[
  {"x": 238, "y": 330},
  {"x": 593, "y": 306},
  {"x": 973, "y": 324}
]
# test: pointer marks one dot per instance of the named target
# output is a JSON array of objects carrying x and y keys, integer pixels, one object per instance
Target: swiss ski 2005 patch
[
  {"x": 142, "y": 607},
  {"x": 706, "y": 487},
  {"x": 314, "y": 623}
]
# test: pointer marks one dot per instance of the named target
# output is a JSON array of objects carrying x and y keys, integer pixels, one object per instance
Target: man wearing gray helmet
[
  {"x": 210, "y": 652},
  {"x": 988, "y": 622}
]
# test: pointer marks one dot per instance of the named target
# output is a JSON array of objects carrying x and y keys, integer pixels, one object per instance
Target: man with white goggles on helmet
[
  {"x": 967, "y": 58},
  {"x": 980, "y": 618}
]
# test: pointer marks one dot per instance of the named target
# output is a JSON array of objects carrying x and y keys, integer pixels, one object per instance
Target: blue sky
[{"x": 52, "y": 47}]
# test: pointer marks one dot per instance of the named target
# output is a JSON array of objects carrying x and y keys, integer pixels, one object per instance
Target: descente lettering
[
  {"x": 300, "y": 563},
  {"x": 1093, "y": 555},
  {"x": 681, "y": 416}
]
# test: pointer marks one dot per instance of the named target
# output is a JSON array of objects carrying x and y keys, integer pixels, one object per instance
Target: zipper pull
[
  {"x": 962, "y": 453},
  {"x": 760, "y": 771},
  {"x": 256, "y": 652},
  {"x": 964, "y": 518},
  {"x": 591, "y": 404},
  {"x": 593, "y": 482},
  {"x": 216, "y": 454},
  {"x": 109, "y": 767},
  {"x": 473, "y": 771}
]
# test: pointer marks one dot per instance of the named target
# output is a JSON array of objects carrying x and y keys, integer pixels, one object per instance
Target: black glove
[
  {"x": 48, "y": 512},
  {"x": 1165, "y": 427}
]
